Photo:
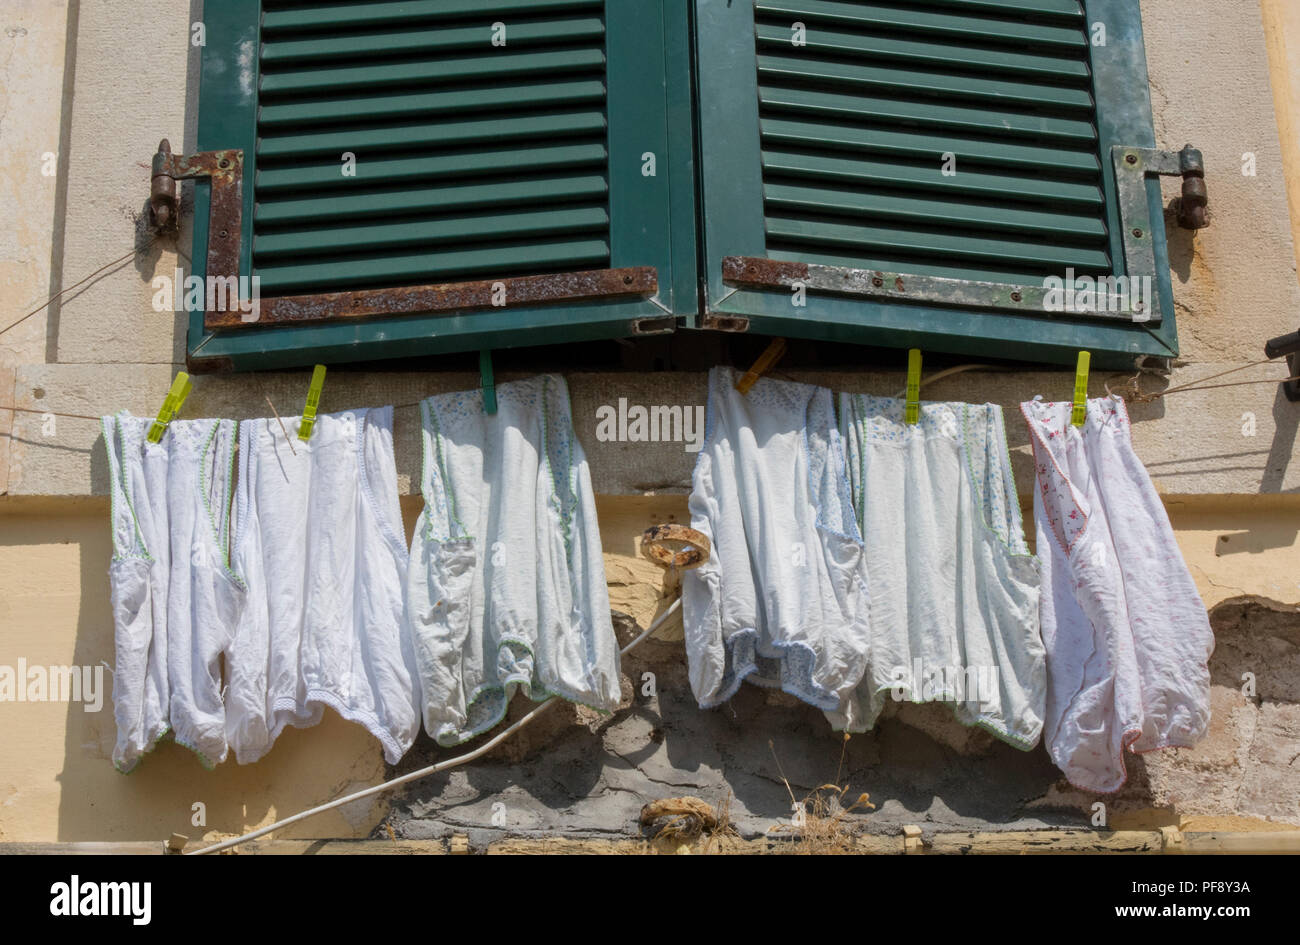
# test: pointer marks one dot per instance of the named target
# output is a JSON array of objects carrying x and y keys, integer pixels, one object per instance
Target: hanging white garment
[
  {"x": 174, "y": 596},
  {"x": 1127, "y": 636},
  {"x": 782, "y": 601},
  {"x": 507, "y": 584},
  {"x": 318, "y": 538},
  {"x": 954, "y": 589}
]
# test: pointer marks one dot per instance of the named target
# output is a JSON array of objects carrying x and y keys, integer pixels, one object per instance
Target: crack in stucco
[
  {"x": 1213, "y": 583},
  {"x": 12, "y": 33},
  {"x": 1245, "y": 759},
  {"x": 650, "y": 777}
]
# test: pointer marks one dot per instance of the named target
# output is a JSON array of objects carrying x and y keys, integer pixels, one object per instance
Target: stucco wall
[{"x": 75, "y": 83}]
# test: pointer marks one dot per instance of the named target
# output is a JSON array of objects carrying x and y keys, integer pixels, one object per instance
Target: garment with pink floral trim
[{"x": 1127, "y": 635}]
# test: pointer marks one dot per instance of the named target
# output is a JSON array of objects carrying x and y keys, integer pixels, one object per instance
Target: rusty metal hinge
[{"x": 225, "y": 170}]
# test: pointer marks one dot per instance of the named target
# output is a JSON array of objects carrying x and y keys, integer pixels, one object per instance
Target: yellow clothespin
[
  {"x": 912, "y": 410},
  {"x": 1080, "y": 412},
  {"x": 171, "y": 406},
  {"x": 313, "y": 401},
  {"x": 764, "y": 364}
]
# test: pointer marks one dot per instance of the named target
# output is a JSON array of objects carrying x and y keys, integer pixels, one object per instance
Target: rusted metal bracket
[
  {"x": 1193, "y": 206},
  {"x": 225, "y": 169},
  {"x": 445, "y": 297},
  {"x": 907, "y": 287},
  {"x": 1132, "y": 167}
]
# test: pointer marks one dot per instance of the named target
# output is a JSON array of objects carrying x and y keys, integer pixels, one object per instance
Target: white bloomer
[
  {"x": 782, "y": 601},
  {"x": 318, "y": 537},
  {"x": 1128, "y": 638},
  {"x": 506, "y": 587},
  {"x": 174, "y": 597},
  {"x": 954, "y": 589}
]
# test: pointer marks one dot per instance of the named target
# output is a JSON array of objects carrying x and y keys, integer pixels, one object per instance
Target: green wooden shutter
[
  {"x": 831, "y": 152},
  {"x": 474, "y": 162}
]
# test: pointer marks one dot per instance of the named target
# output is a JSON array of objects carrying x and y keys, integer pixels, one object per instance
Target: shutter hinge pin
[
  {"x": 224, "y": 168},
  {"x": 1193, "y": 206}
]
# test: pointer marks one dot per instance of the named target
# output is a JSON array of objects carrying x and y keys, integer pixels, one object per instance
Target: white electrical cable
[
  {"x": 947, "y": 373},
  {"x": 431, "y": 769}
]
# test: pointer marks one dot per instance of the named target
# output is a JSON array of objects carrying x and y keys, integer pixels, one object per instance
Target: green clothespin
[
  {"x": 489, "y": 382},
  {"x": 171, "y": 406},
  {"x": 313, "y": 401},
  {"x": 912, "y": 411},
  {"x": 1080, "y": 412}
]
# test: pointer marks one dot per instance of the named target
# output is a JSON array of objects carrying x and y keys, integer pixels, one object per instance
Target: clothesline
[
  {"x": 1140, "y": 397},
  {"x": 1134, "y": 395},
  {"x": 74, "y": 285}
]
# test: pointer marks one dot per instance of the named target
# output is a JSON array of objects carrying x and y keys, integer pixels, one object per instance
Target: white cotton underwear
[
  {"x": 507, "y": 584},
  {"x": 782, "y": 601},
  {"x": 954, "y": 589},
  {"x": 1128, "y": 638},
  {"x": 318, "y": 538},
  {"x": 175, "y": 599}
]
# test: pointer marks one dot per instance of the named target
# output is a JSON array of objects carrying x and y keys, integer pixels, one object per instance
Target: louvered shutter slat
[
  {"x": 898, "y": 81},
  {"x": 589, "y": 123},
  {"x": 933, "y": 23},
  {"x": 546, "y": 65},
  {"x": 958, "y": 139},
  {"x": 282, "y": 18},
  {"x": 411, "y": 145}
]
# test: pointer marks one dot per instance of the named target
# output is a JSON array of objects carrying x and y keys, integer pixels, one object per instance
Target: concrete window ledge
[{"x": 1167, "y": 840}]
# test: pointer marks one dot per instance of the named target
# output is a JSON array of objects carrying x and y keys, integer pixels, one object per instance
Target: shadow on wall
[
  {"x": 1286, "y": 415},
  {"x": 579, "y": 775}
]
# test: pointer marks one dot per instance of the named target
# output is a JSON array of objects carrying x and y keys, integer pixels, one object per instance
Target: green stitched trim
[
  {"x": 433, "y": 432},
  {"x": 536, "y": 692},
  {"x": 144, "y": 754},
  {"x": 1013, "y": 500},
  {"x": 224, "y": 538},
  {"x": 1001, "y": 734},
  {"x": 130, "y": 501},
  {"x": 860, "y": 428},
  {"x": 204, "y": 760},
  {"x": 1015, "y": 741},
  {"x": 573, "y": 491},
  {"x": 977, "y": 481},
  {"x": 425, "y": 485},
  {"x": 1013, "y": 495},
  {"x": 215, "y": 532},
  {"x": 566, "y": 502},
  {"x": 120, "y": 480},
  {"x": 113, "y": 486}
]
